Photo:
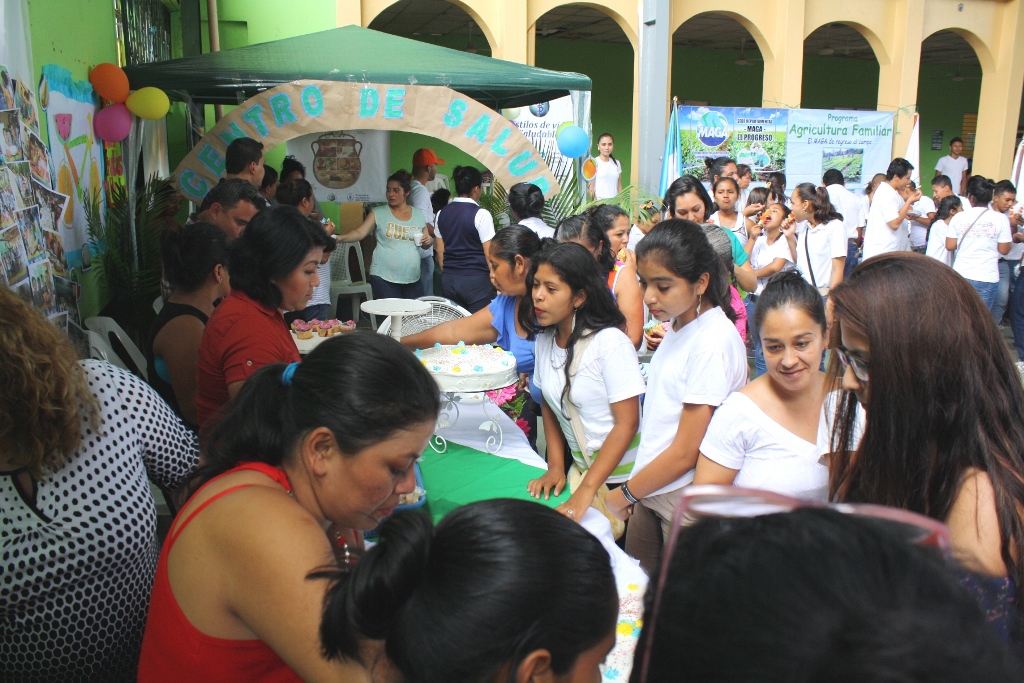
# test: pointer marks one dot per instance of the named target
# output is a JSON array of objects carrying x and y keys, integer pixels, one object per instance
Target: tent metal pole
[{"x": 211, "y": 15}]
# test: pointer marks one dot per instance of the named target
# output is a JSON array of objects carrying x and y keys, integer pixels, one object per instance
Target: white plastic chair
[
  {"x": 100, "y": 349},
  {"x": 109, "y": 330},
  {"x": 342, "y": 283},
  {"x": 441, "y": 311}
]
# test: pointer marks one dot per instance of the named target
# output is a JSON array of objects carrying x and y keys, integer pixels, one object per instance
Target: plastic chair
[
  {"x": 100, "y": 349},
  {"x": 342, "y": 283},
  {"x": 109, "y": 331},
  {"x": 158, "y": 304},
  {"x": 441, "y": 311}
]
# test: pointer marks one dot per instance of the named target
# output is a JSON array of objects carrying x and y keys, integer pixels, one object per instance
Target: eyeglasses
[
  {"x": 859, "y": 365},
  {"x": 732, "y": 501}
]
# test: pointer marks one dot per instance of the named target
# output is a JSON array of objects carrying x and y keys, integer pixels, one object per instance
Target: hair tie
[{"x": 288, "y": 374}]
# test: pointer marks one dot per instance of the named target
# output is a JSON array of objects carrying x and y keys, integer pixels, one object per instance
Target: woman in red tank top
[{"x": 326, "y": 444}]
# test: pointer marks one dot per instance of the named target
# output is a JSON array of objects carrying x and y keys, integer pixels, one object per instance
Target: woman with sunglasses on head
[
  {"x": 764, "y": 436},
  {"x": 944, "y": 416},
  {"x": 587, "y": 371},
  {"x": 810, "y": 596},
  {"x": 700, "y": 361},
  {"x": 604, "y": 231}
]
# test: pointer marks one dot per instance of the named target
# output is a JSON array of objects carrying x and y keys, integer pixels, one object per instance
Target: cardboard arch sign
[{"x": 301, "y": 107}]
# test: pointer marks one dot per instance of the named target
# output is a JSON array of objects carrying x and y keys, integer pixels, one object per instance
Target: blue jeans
[
  {"x": 1017, "y": 317},
  {"x": 427, "y": 274},
  {"x": 986, "y": 290},
  {"x": 760, "y": 367},
  {"x": 851, "y": 258},
  {"x": 1003, "y": 292},
  {"x": 382, "y": 289}
]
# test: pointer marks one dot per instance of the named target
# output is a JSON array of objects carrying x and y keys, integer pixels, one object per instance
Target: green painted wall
[
  {"x": 713, "y": 76},
  {"x": 77, "y": 45}
]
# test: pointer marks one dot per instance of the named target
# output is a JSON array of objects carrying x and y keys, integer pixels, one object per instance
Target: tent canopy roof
[{"x": 352, "y": 53}]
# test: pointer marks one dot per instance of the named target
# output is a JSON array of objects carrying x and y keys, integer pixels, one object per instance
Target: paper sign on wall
[{"x": 345, "y": 165}]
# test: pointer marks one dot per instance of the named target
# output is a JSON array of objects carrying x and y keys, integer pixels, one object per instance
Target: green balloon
[
  {"x": 562, "y": 126},
  {"x": 511, "y": 114}
]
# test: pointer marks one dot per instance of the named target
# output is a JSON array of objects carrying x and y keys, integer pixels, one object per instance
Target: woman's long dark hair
[
  {"x": 944, "y": 210},
  {"x": 944, "y": 397},
  {"x": 582, "y": 228},
  {"x": 824, "y": 211},
  {"x": 495, "y": 581},
  {"x": 578, "y": 270},
  {"x": 362, "y": 386},
  {"x": 682, "y": 248}
]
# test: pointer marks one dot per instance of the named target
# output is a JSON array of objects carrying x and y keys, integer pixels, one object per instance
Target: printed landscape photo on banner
[
  {"x": 51, "y": 205},
  {"x": 7, "y": 203},
  {"x": 27, "y": 106},
  {"x": 41, "y": 277},
  {"x": 13, "y": 262},
  {"x": 31, "y": 233},
  {"x": 10, "y": 136},
  {"x": 6, "y": 89},
  {"x": 38, "y": 157},
  {"x": 20, "y": 178},
  {"x": 55, "y": 251},
  {"x": 67, "y": 298}
]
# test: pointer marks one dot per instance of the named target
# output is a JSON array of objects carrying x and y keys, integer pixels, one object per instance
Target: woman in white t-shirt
[
  {"x": 607, "y": 180},
  {"x": 948, "y": 207},
  {"x": 770, "y": 252},
  {"x": 700, "y": 361},
  {"x": 584, "y": 364},
  {"x": 764, "y": 436},
  {"x": 977, "y": 237},
  {"x": 725, "y": 192},
  {"x": 821, "y": 237}
]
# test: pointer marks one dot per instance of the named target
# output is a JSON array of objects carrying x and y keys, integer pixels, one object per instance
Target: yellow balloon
[
  {"x": 148, "y": 103},
  {"x": 511, "y": 113}
]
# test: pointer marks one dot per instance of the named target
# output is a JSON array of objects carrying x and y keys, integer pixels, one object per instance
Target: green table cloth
[{"x": 464, "y": 475}]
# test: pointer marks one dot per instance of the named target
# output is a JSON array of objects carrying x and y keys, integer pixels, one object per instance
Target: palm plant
[{"x": 129, "y": 241}]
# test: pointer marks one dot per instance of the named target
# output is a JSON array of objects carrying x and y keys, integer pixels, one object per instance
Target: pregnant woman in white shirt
[{"x": 764, "y": 436}]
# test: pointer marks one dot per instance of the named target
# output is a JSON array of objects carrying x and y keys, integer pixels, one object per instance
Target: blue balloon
[{"x": 573, "y": 142}]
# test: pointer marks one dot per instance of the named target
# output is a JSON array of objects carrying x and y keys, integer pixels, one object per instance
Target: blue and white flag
[{"x": 672, "y": 160}]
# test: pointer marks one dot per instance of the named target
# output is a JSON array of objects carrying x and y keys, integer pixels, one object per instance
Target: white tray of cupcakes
[{"x": 308, "y": 334}]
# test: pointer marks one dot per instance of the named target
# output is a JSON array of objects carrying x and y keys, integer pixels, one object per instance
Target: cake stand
[
  {"x": 396, "y": 309},
  {"x": 449, "y": 416}
]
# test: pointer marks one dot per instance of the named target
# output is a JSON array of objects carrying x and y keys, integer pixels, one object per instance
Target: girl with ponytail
[
  {"x": 310, "y": 454},
  {"x": 700, "y": 361},
  {"x": 502, "y": 590},
  {"x": 820, "y": 237}
]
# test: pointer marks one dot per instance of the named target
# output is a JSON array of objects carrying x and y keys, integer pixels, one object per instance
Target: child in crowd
[
  {"x": 701, "y": 361},
  {"x": 726, "y": 191},
  {"x": 770, "y": 252},
  {"x": 948, "y": 207}
]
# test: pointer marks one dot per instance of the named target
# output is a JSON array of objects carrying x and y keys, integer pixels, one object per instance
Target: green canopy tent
[{"x": 356, "y": 54}]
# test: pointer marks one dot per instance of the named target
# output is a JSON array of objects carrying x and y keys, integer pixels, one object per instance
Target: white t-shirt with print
[
  {"x": 879, "y": 238},
  {"x": 977, "y": 255},
  {"x": 701, "y": 364},
  {"x": 918, "y": 232},
  {"x": 762, "y": 254},
  {"x": 824, "y": 242},
  {"x": 952, "y": 169},
  {"x": 607, "y": 373},
  {"x": 768, "y": 456},
  {"x": 937, "y": 243}
]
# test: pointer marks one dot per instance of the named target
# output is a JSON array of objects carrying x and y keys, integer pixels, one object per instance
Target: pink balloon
[{"x": 113, "y": 122}]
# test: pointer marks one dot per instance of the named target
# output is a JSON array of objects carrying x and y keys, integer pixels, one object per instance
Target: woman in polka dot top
[{"x": 78, "y": 543}]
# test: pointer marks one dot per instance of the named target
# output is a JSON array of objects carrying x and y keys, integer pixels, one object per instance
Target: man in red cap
[{"x": 424, "y": 169}]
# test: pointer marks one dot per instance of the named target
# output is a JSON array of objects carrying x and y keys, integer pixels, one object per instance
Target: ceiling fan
[
  {"x": 826, "y": 49},
  {"x": 743, "y": 61},
  {"x": 469, "y": 46},
  {"x": 958, "y": 77}
]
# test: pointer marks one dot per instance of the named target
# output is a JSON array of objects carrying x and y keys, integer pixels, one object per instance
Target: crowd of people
[{"x": 810, "y": 434}]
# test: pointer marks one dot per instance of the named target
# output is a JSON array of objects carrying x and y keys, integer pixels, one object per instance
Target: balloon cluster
[{"x": 114, "y": 121}]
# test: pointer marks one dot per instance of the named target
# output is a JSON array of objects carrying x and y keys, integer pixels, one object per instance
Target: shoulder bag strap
[
  {"x": 967, "y": 232},
  {"x": 574, "y": 413},
  {"x": 807, "y": 250}
]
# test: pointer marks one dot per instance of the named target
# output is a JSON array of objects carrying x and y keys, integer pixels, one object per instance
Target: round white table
[{"x": 396, "y": 309}]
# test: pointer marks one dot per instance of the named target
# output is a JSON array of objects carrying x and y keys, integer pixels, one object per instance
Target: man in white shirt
[
  {"x": 887, "y": 227},
  {"x": 848, "y": 204},
  {"x": 1004, "y": 197},
  {"x": 424, "y": 170},
  {"x": 919, "y": 218},
  {"x": 954, "y": 166}
]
